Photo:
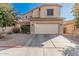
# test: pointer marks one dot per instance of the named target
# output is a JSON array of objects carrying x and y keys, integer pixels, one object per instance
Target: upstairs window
[
  {"x": 50, "y": 12},
  {"x": 26, "y": 16}
]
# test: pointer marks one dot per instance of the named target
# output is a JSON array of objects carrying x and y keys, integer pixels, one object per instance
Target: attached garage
[
  {"x": 46, "y": 25},
  {"x": 46, "y": 28}
]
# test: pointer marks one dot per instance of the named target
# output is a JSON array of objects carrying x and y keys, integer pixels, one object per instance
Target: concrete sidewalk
[{"x": 30, "y": 51}]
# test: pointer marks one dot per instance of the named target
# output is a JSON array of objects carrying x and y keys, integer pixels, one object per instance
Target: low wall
[{"x": 8, "y": 29}]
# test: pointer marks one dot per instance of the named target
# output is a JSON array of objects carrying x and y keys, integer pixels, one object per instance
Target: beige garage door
[{"x": 46, "y": 28}]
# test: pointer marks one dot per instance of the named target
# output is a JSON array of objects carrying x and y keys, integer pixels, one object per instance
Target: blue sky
[{"x": 25, "y": 7}]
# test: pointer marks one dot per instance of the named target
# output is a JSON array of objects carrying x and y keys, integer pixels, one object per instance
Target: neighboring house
[
  {"x": 45, "y": 19},
  {"x": 19, "y": 22},
  {"x": 69, "y": 26}
]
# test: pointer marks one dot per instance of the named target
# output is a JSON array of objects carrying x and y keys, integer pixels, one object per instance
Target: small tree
[
  {"x": 7, "y": 16},
  {"x": 76, "y": 14},
  {"x": 75, "y": 11}
]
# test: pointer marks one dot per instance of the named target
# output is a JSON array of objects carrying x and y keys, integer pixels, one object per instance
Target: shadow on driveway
[
  {"x": 38, "y": 39},
  {"x": 56, "y": 40},
  {"x": 74, "y": 39}
]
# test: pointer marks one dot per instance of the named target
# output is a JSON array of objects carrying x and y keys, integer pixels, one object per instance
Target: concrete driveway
[{"x": 39, "y": 39}]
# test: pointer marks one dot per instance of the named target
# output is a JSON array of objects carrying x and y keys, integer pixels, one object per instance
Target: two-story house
[{"x": 45, "y": 19}]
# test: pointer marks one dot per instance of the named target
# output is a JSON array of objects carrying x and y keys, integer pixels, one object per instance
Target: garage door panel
[{"x": 46, "y": 28}]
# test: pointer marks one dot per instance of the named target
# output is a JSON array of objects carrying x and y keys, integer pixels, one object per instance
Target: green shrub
[
  {"x": 16, "y": 30},
  {"x": 25, "y": 28}
]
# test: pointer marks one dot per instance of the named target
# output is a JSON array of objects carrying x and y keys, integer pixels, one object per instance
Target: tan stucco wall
[
  {"x": 43, "y": 12},
  {"x": 28, "y": 14},
  {"x": 37, "y": 22},
  {"x": 69, "y": 28},
  {"x": 32, "y": 28},
  {"x": 35, "y": 13}
]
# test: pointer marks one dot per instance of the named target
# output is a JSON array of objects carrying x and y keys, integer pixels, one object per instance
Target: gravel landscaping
[{"x": 15, "y": 40}]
